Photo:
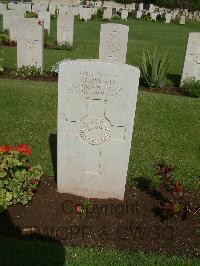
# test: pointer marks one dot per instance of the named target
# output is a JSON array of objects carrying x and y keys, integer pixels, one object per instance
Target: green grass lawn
[
  {"x": 166, "y": 128},
  {"x": 142, "y": 35},
  {"x": 34, "y": 253}
]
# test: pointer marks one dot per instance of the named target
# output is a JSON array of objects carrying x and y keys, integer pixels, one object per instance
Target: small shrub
[
  {"x": 82, "y": 208},
  {"x": 27, "y": 71},
  {"x": 31, "y": 14},
  {"x": 64, "y": 46},
  {"x": 98, "y": 15},
  {"x": 116, "y": 17},
  {"x": 191, "y": 87},
  {"x": 146, "y": 17},
  {"x": 4, "y": 40},
  {"x": 154, "y": 69},
  {"x": 160, "y": 18},
  {"x": 19, "y": 179}
]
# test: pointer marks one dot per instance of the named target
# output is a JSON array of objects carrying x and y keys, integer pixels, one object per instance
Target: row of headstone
[
  {"x": 168, "y": 16},
  {"x": 30, "y": 45}
]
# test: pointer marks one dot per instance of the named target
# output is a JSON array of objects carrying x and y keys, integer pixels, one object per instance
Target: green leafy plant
[
  {"x": 82, "y": 208},
  {"x": 98, "y": 15},
  {"x": 1, "y": 60},
  {"x": 27, "y": 71},
  {"x": 191, "y": 87},
  {"x": 31, "y": 14},
  {"x": 19, "y": 179},
  {"x": 64, "y": 46},
  {"x": 146, "y": 17},
  {"x": 4, "y": 40},
  {"x": 154, "y": 69}
]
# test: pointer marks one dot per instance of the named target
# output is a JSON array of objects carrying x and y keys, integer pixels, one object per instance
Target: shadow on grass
[
  {"x": 53, "y": 149},
  {"x": 27, "y": 247},
  {"x": 176, "y": 79}
]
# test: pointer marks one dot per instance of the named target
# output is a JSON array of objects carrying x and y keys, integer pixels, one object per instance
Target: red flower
[
  {"x": 178, "y": 187},
  {"x": 9, "y": 148},
  {"x": 41, "y": 22},
  {"x": 23, "y": 148},
  {"x": 3, "y": 148},
  {"x": 79, "y": 209}
]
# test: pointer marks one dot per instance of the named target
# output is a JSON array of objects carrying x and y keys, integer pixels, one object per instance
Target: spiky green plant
[
  {"x": 154, "y": 69},
  {"x": 1, "y": 60}
]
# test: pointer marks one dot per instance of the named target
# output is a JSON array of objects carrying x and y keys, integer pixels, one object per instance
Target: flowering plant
[{"x": 19, "y": 179}]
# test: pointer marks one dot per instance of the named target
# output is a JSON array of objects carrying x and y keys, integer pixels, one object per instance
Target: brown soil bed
[
  {"x": 131, "y": 225},
  {"x": 170, "y": 90}
]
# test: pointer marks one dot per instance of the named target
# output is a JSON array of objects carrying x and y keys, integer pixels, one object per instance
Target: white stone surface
[
  {"x": 141, "y": 6},
  {"x": 96, "y": 110},
  {"x": 113, "y": 43},
  {"x": 52, "y": 9},
  {"x": 45, "y": 16},
  {"x": 182, "y": 21},
  {"x": 138, "y": 14},
  {"x": 85, "y": 13},
  {"x": 124, "y": 14},
  {"x": 168, "y": 17},
  {"x": 65, "y": 29},
  {"x": 192, "y": 58},
  {"x": 154, "y": 16},
  {"x": 107, "y": 14},
  {"x": 2, "y": 8},
  {"x": 7, "y": 17},
  {"x": 30, "y": 43},
  {"x": 14, "y": 25}
]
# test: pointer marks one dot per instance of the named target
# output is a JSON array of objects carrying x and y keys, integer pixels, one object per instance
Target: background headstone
[
  {"x": 182, "y": 21},
  {"x": 30, "y": 42},
  {"x": 45, "y": 16},
  {"x": 94, "y": 140},
  {"x": 113, "y": 43},
  {"x": 65, "y": 29},
  {"x": 107, "y": 14},
  {"x": 124, "y": 14}
]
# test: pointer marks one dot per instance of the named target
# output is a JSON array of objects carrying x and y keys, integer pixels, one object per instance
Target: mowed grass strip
[
  {"x": 166, "y": 128},
  {"x": 171, "y": 38}
]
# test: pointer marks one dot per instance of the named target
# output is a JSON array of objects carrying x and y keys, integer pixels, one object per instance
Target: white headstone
[
  {"x": 182, "y": 21},
  {"x": 45, "y": 16},
  {"x": 14, "y": 26},
  {"x": 154, "y": 16},
  {"x": 2, "y": 8},
  {"x": 124, "y": 14},
  {"x": 94, "y": 140},
  {"x": 192, "y": 59},
  {"x": 52, "y": 9},
  {"x": 65, "y": 29},
  {"x": 138, "y": 14},
  {"x": 7, "y": 18},
  {"x": 30, "y": 43},
  {"x": 113, "y": 43},
  {"x": 107, "y": 14},
  {"x": 168, "y": 17},
  {"x": 141, "y": 6}
]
